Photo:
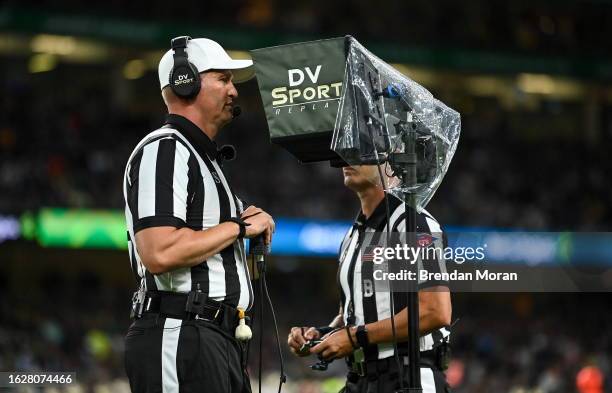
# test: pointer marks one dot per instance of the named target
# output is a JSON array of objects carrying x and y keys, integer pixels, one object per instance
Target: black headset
[{"x": 184, "y": 77}]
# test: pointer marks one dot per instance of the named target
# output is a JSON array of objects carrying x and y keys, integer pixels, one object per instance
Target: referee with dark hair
[
  {"x": 185, "y": 234},
  {"x": 363, "y": 331}
]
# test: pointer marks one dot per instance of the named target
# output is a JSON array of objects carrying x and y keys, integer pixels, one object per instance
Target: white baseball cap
[{"x": 206, "y": 55}]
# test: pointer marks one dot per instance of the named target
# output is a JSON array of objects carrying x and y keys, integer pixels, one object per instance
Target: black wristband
[
  {"x": 348, "y": 333},
  {"x": 240, "y": 223},
  {"x": 362, "y": 336}
]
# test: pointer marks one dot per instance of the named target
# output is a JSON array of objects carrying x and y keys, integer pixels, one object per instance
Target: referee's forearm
[
  {"x": 434, "y": 313},
  {"x": 381, "y": 331},
  {"x": 163, "y": 249}
]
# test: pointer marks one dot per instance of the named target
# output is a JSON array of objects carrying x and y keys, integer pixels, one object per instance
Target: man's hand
[
  {"x": 260, "y": 222},
  {"x": 298, "y": 337},
  {"x": 336, "y": 345}
]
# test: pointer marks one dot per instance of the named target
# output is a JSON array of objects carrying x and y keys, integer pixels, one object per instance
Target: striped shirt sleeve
[
  {"x": 157, "y": 184},
  {"x": 432, "y": 258}
]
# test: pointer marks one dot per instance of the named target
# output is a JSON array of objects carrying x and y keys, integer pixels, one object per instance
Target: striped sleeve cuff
[
  {"x": 158, "y": 221},
  {"x": 433, "y": 283}
]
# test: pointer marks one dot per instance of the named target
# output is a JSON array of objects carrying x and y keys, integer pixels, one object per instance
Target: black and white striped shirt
[
  {"x": 370, "y": 305},
  {"x": 172, "y": 178}
]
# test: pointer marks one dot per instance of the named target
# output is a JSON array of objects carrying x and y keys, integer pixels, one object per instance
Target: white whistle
[{"x": 243, "y": 331}]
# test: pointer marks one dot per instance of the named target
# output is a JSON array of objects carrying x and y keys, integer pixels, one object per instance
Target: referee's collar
[
  {"x": 194, "y": 134},
  {"x": 378, "y": 218}
]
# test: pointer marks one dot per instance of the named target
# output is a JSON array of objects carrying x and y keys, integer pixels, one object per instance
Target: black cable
[
  {"x": 252, "y": 319},
  {"x": 283, "y": 377},
  {"x": 261, "y": 327},
  {"x": 265, "y": 294},
  {"x": 400, "y": 367}
]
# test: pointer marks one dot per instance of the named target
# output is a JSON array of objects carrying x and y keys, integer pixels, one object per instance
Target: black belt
[
  {"x": 373, "y": 368},
  {"x": 182, "y": 306}
]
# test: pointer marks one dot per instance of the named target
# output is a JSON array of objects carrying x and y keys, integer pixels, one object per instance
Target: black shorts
[{"x": 172, "y": 355}]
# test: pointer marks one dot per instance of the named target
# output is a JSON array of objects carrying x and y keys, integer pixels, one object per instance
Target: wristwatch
[{"x": 362, "y": 336}]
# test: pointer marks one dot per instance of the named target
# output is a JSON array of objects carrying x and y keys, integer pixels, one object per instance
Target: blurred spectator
[
  {"x": 512, "y": 168},
  {"x": 495, "y": 347}
]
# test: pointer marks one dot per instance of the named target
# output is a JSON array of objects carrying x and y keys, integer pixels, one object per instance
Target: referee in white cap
[{"x": 185, "y": 233}]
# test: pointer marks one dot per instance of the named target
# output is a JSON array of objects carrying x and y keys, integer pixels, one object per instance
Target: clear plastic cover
[{"x": 387, "y": 119}]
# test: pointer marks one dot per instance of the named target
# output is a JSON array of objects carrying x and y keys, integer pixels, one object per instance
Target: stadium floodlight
[{"x": 387, "y": 118}]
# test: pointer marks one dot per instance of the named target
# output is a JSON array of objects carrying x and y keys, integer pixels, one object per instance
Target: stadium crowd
[
  {"x": 540, "y": 27},
  {"x": 537, "y": 170},
  {"x": 509, "y": 343}
]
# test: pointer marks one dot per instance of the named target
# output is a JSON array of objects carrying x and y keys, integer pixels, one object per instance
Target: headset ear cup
[
  {"x": 197, "y": 83},
  {"x": 185, "y": 80}
]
